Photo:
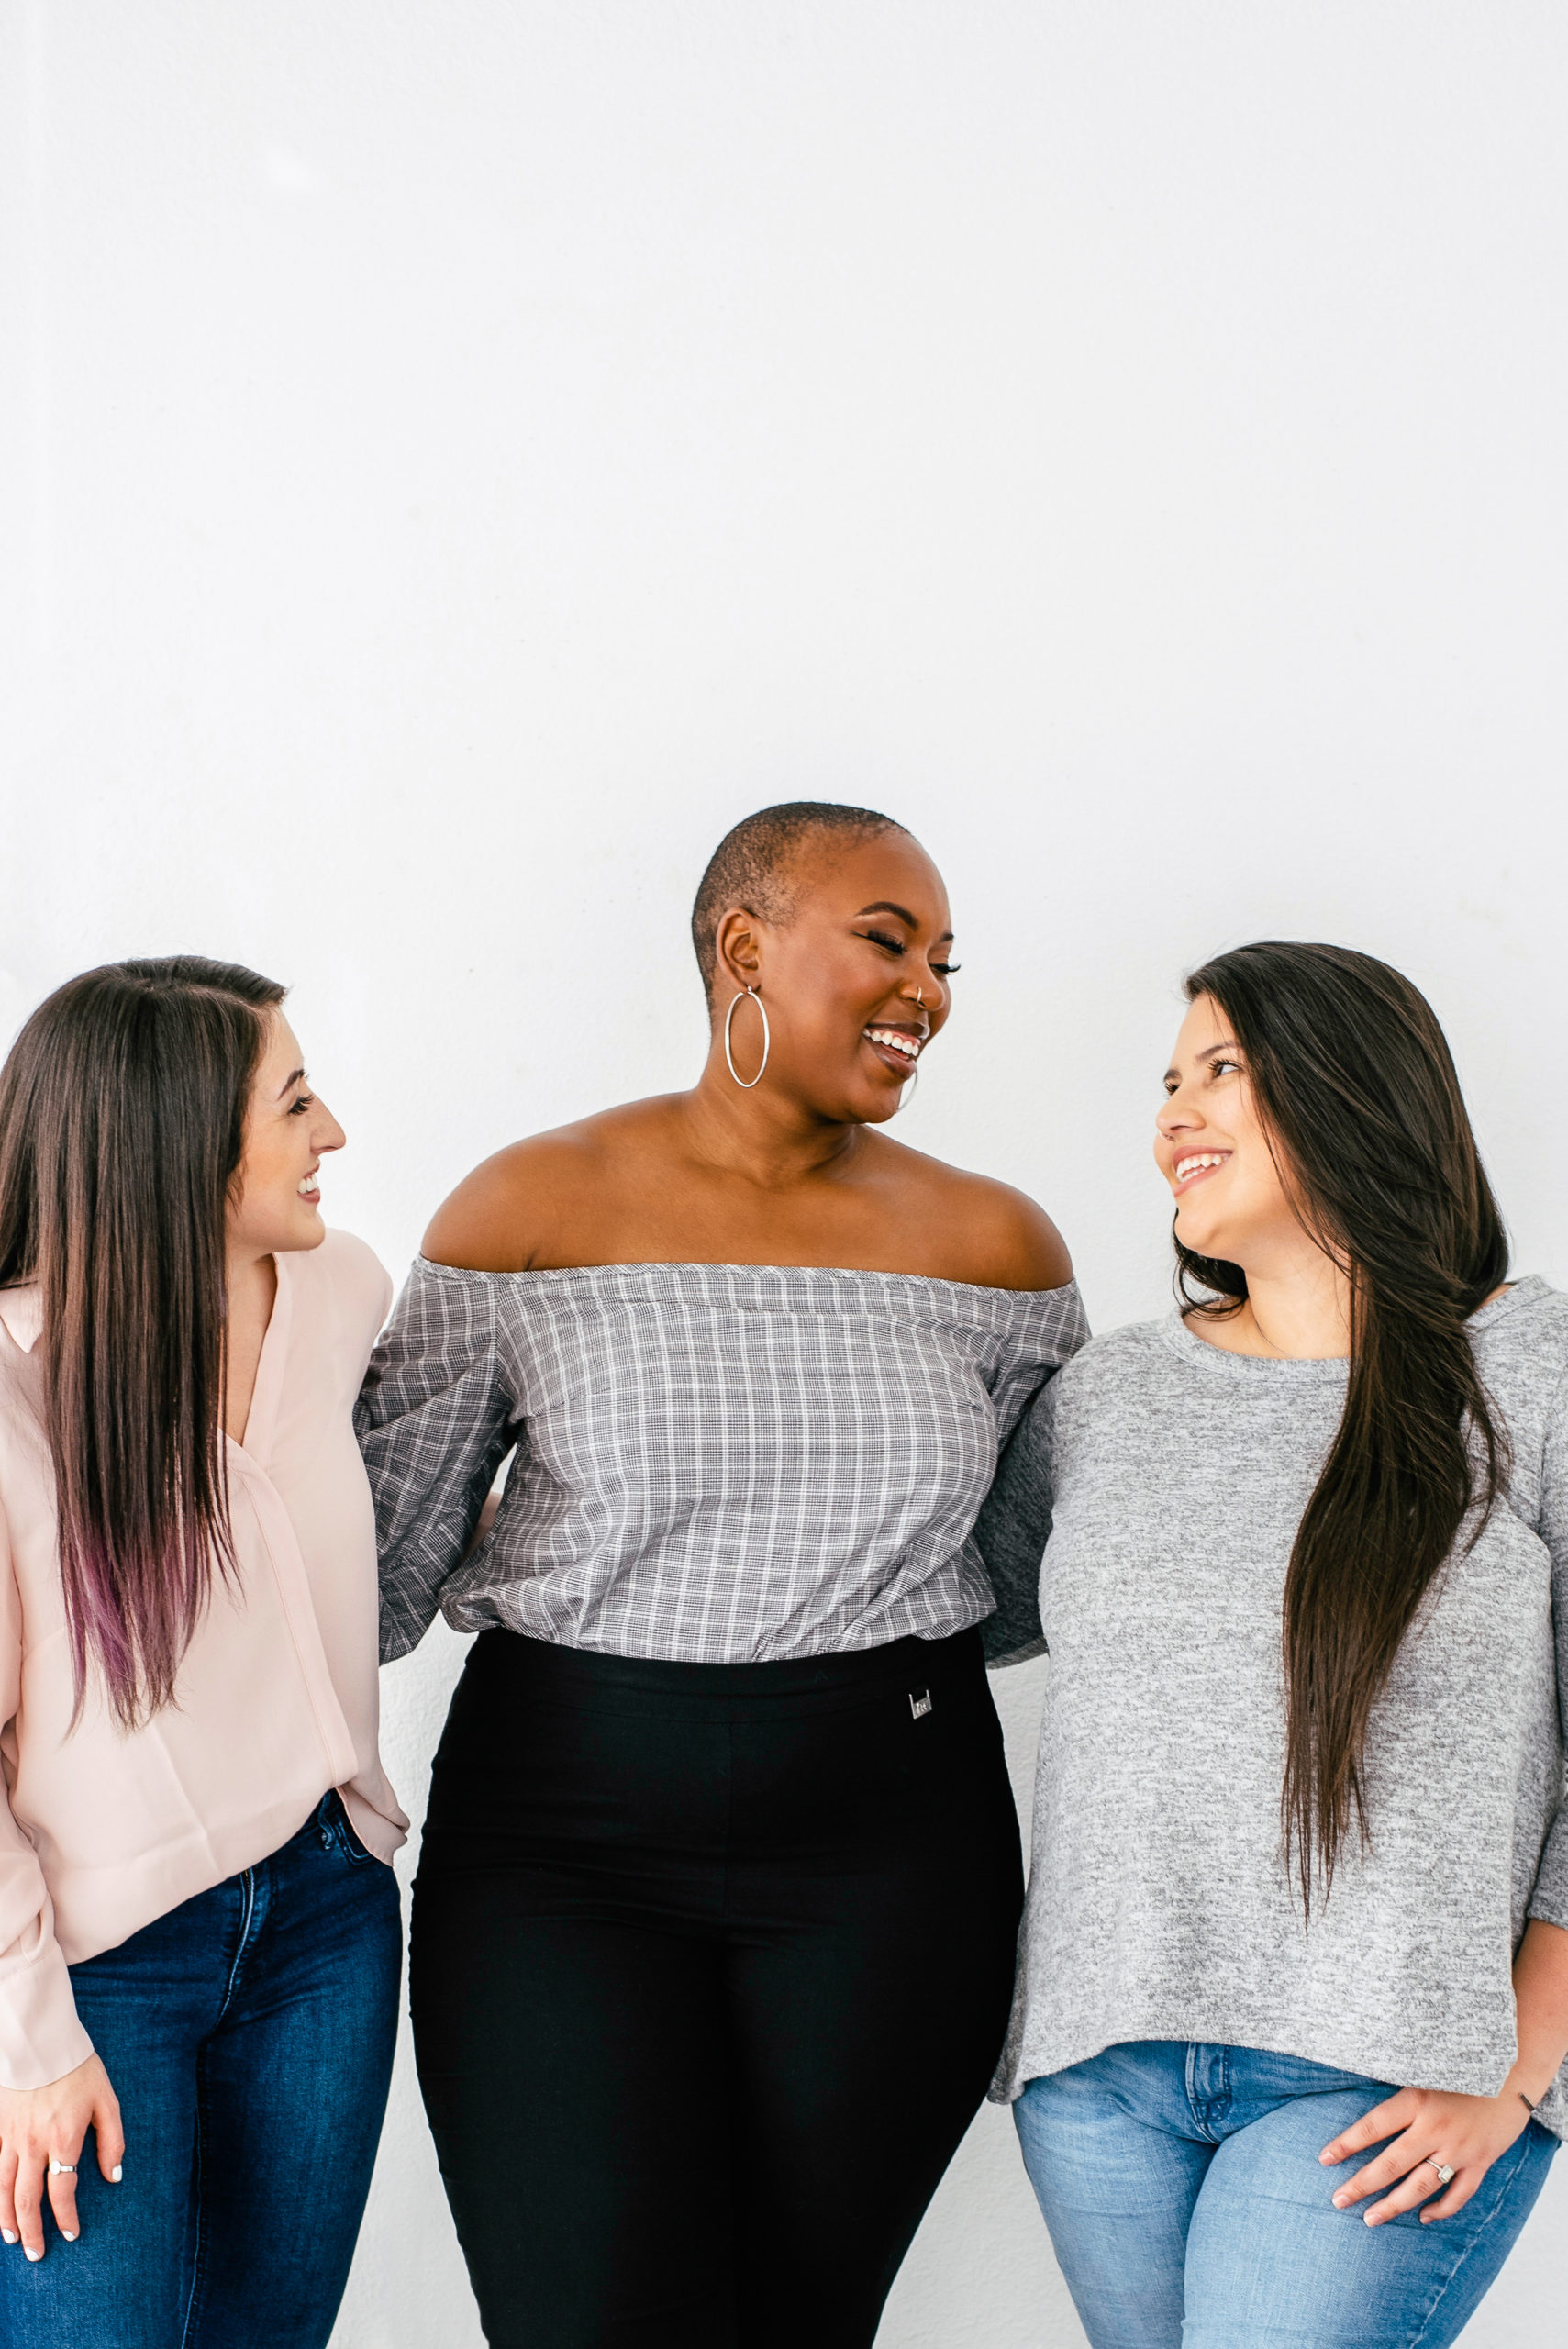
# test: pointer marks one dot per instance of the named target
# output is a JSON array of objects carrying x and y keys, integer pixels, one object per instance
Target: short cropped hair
[{"x": 751, "y": 865}]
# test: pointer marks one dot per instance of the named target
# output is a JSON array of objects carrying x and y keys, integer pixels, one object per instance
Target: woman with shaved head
[{"x": 715, "y": 1922}]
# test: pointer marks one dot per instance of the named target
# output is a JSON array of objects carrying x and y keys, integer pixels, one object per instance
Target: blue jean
[
  {"x": 249, "y": 2036},
  {"x": 1188, "y": 2210}
]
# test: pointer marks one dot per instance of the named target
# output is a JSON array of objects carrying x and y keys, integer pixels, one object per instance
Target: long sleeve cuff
[{"x": 41, "y": 2036}]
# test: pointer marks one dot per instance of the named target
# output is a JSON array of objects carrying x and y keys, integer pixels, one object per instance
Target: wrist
[{"x": 1523, "y": 2095}]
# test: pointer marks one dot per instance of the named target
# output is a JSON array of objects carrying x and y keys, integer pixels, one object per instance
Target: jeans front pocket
[{"x": 338, "y": 1829}]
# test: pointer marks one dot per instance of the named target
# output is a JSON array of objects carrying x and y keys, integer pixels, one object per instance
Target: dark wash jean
[{"x": 249, "y": 2036}]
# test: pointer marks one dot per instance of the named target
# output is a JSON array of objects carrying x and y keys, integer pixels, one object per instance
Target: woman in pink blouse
[{"x": 199, "y": 1941}]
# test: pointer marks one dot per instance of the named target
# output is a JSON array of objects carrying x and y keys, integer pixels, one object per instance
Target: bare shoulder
[
  {"x": 994, "y": 1236},
  {"x": 508, "y": 1214},
  {"x": 1015, "y": 1245}
]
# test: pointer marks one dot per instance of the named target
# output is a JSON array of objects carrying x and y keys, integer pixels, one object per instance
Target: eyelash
[
  {"x": 305, "y": 1101},
  {"x": 896, "y": 946},
  {"x": 1214, "y": 1069}
]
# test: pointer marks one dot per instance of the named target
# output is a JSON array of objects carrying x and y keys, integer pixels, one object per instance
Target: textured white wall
[{"x": 465, "y": 454}]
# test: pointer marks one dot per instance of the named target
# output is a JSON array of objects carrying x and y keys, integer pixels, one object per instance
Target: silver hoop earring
[{"x": 748, "y": 1083}]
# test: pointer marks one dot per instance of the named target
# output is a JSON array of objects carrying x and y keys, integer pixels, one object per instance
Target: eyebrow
[
  {"x": 292, "y": 1081},
  {"x": 887, "y": 906}
]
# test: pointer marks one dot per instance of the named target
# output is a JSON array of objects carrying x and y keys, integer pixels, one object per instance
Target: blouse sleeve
[
  {"x": 41, "y": 2036},
  {"x": 434, "y": 1421},
  {"x": 1010, "y": 1534},
  {"x": 1550, "y": 1899},
  {"x": 1015, "y": 1518}
]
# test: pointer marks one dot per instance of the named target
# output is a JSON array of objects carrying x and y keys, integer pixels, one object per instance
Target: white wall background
[{"x": 460, "y": 456}]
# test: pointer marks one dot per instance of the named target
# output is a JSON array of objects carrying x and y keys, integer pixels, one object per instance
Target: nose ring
[{"x": 920, "y": 997}]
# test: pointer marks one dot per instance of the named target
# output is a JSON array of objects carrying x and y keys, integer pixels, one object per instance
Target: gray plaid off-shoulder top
[{"x": 714, "y": 1462}]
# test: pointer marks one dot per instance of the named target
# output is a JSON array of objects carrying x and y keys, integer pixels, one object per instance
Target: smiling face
[
  {"x": 276, "y": 1204},
  {"x": 1212, "y": 1148},
  {"x": 856, "y": 983}
]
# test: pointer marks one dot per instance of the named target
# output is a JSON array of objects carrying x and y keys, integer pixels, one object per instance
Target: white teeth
[
  {"x": 1186, "y": 1166},
  {"x": 908, "y": 1045},
  {"x": 306, "y": 1186}
]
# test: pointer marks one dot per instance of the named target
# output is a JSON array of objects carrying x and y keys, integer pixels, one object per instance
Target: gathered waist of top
[{"x": 505, "y": 1665}]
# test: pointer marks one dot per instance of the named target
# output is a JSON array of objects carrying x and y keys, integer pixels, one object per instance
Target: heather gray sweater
[{"x": 1159, "y": 1904}]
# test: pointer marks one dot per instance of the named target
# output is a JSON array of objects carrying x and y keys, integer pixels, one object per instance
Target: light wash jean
[{"x": 1188, "y": 2209}]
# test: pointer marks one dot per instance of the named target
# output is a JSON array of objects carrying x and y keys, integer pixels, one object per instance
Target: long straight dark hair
[
  {"x": 1357, "y": 1092},
  {"x": 122, "y": 1125}
]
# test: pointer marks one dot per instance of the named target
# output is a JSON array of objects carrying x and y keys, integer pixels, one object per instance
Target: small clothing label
[{"x": 921, "y": 1705}]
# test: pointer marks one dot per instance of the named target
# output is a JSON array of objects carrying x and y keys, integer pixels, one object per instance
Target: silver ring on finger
[
  {"x": 61, "y": 2169},
  {"x": 1443, "y": 2169}
]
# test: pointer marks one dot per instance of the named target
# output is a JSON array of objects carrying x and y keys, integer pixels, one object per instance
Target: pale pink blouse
[{"x": 101, "y": 1830}]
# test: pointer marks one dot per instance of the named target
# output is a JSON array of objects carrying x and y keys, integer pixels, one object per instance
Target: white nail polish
[
  {"x": 34, "y": 2254},
  {"x": 67, "y": 2233},
  {"x": 115, "y": 2174},
  {"x": 8, "y": 2235}
]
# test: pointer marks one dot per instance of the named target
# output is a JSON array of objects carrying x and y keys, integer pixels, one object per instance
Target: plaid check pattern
[{"x": 714, "y": 1462}]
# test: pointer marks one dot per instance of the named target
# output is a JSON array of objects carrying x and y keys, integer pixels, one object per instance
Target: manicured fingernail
[
  {"x": 67, "y": 2233},
  {"x": 8, "y": 2235},
  {"x": 34, "y": 2254},
  {"x": 1340, "y": 2200},
  {"x": 115, "y": 2174}
]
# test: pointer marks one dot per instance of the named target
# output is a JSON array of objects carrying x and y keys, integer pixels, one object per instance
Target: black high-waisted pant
[{"x": 710, "y": 1966}]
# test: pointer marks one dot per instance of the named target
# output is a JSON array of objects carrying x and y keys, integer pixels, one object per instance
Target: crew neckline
[{"x": 1322, "y": 1370}]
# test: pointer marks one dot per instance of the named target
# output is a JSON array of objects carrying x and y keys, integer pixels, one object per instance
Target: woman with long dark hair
[
  {"x": 1287, "y": 2041},
  {"x": 716, "y": 1909},
  {"x": 199, "y": 1941}
]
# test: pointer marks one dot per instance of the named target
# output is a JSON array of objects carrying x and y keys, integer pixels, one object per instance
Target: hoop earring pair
[{"x": 748, "y": 1084}]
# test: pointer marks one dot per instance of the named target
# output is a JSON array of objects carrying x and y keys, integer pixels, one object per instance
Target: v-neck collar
[
  {"x": 21, "y": 1314},
  {"x": 266, "y": 1395}
]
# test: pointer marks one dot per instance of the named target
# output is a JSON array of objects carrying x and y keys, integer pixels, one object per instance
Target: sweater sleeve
[
  {"x": 1010, "y": 1534},
  {"x": 41, "y": 2036},
  {"x": 435, "y": 1423},
  {"x": 1550, "y": 1899}
]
